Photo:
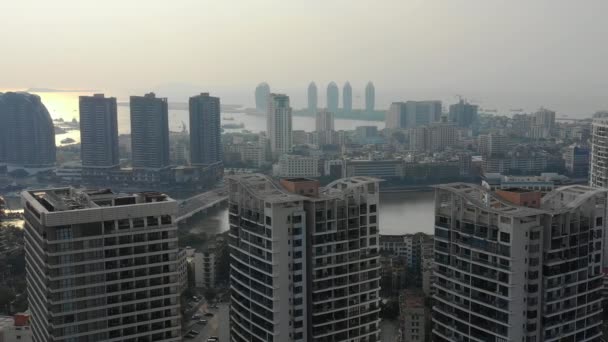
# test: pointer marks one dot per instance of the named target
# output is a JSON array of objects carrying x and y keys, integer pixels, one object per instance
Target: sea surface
[{"x": 400, "y": 213}]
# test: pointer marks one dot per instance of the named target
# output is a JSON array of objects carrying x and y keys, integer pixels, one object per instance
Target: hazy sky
[{"x": 545, "y": 49}]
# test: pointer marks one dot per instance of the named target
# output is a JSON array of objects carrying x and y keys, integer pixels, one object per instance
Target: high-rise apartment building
[
  {"x": 304, "y": 259},
  {"x": 324, "y": 124},
  {"x": 492, "y": 145},
  {"x": 370, "y": 97},
  {"x": 101, "y": 266},
  {"x": 598, "y": 174},
  {"x": 98, "y": 132},
  {"x": 324, "y": 121},
  {"x": 463, "y": 114},
  {"x": 511, "y": 266},
  {"x": 347, "y": 98},
  {"x": 412, "y": 114},
  {"x": 205, "y": 130},
  {"x": 313, "y": 100},
  {"x": 261, "y": 97},
  {"x": 279, "y": 124},
  {"x": 432, "y": 138},
  {"x": 27, "y": 135},
  {"x": 545, "y": 118},
  {"x": 576, "y": 160},
  {"x": 333, "y": 97},
  {"x": 149, "y": 131}
]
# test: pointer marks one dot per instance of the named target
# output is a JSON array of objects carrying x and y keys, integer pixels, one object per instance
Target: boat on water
[
  {"x": 68, "y": 141},
  {"x": 229, "y": 118}
]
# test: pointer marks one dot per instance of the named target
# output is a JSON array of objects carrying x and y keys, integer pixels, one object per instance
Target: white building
[
  {"x": 204, "y": 265},
  {"x": 325, "y": 131},
  {"x": 16, "y": 328},
  {"x": 509, "y": 272},
  {"x": 253, "y": 153},
  {"x": 182, "y": 267},
  {"x": 599, "y": 151},
  {"x": 279, "y": 124},
  {"x": 298, "y": 166},
  {"x": 284, "y": 291},
  {"x": 101, "y": 266}
]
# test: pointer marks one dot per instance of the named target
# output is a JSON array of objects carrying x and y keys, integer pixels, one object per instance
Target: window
[
  {"x": 598, "y": 221},
  {"x": 372, "y": 208},
  {"x": 64, "y": 234},
  {"x": 505, "y": 237}
]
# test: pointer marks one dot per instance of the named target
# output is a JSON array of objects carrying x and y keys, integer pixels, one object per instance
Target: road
[
  {"x": 216, "y": 325},
  {"x": 199, "y": 202}
]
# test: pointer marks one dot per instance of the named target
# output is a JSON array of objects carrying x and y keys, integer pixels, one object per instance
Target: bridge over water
[{"x": 201, "y": 202}]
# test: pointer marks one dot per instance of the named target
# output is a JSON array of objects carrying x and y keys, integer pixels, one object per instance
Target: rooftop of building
[
  {"x": 65, "y": 199},
  {"x": 6, "y": 321},
  {"x": 271, "y": 191},
  {"x": 569, "y": 197},
  {"x": 265, "y": 187},
  {"x": 484, "y": 198},
  {"x": 412, "y": 299}
]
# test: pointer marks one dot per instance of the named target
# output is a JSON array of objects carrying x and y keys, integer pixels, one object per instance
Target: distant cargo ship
[{"x": 68, "y": 141}]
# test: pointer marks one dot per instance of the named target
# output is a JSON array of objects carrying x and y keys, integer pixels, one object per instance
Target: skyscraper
[
  {"x": 312, "y": 97},
  {"x": 347, "y": 98},
  {"x": 98, "y": 132},
  {"x": 412, "y": 114},
  {"x": 261, "y": 97},
  {"x": 304, "y": 262},
  {"x": 325, "y": 127},
  {"x": 324, "y": 121},
  {"x": 27, "y": 135},
  {"x": 598, "y": 174},
  {"x": 149, "y": 131},
  {"x": 543, "y": 124},
  {"x": 205, "y": 130},
  {"x": 333, "y": 95},
  {"x": 511, "y": 266},
  {"x": 370, "y": 97},
  {"x": 101, "y": 266},
  {"x": 279, "y": 125},
  {"x": 463, "y": 114}
]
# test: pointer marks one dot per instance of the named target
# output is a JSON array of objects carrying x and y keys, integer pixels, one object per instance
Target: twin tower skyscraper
[{"x": 333, "y": 96}]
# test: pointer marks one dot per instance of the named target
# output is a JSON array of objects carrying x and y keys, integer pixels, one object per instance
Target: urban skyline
[{"x": 304, "y": 171}]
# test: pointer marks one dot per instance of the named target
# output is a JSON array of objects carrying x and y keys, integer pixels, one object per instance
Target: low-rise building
[
  {"x": 204, "y": 265},
  {"x": 16, "y": 328},
  {"x": 297, "y": 166},
  {"x": 546, "y": 182},
  {"x": 413, "y": 317}
]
